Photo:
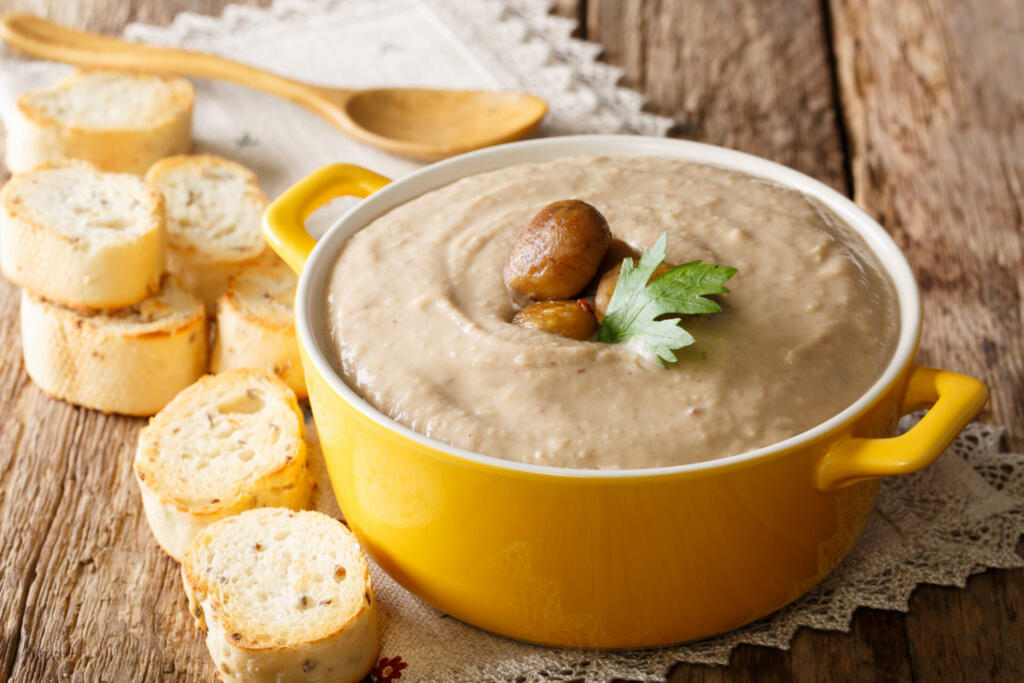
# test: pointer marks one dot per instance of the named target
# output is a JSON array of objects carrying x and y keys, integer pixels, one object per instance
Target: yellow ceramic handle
[
  {"x": 284, "y": 223},
  {"x": 955, "y": 400}
]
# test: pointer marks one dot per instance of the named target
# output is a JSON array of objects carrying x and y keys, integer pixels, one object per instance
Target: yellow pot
[{"x": 607, "y": 559}]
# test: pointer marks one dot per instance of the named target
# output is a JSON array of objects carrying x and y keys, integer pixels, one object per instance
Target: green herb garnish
[{"x": 635, "y": 312}]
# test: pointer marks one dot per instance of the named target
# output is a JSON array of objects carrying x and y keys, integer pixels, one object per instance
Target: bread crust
[
  {"x": 128, "y": 369},
  {"x": 36, "y": 138},
  {"x": 80, "y": 272},
  {"x": 329, "y": 651}
]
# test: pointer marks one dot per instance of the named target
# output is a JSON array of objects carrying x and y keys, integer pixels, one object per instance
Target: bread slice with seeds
[
  {"x": 132, "y": 360},
  {"x": 256, "y": 325},
  {"x": 228, "y": 443},
  {"x": 284, "y": 596},
  {"x": 214, "y": 213},
  {"x": 121, "y": 121},
  {"x": 82, "y": 238}
]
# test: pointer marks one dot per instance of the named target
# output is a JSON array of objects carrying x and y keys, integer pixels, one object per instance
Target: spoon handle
[{"x": 46, "y": 39}]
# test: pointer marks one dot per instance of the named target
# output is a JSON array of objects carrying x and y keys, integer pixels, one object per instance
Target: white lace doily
[{"x": 960, "y": 516}]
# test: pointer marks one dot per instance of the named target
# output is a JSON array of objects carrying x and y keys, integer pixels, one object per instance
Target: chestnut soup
[{"x": 422, "y": 321}]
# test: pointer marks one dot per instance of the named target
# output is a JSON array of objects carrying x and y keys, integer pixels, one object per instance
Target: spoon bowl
[
  {"x": 450, "y": 121},
  {"x": 418, "y": 123}
]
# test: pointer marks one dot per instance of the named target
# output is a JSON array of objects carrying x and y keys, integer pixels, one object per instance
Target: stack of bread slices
[
  {"x": 283, "y": 593},
  {"x": 124, "y": 247},
  {"x": 121, "y": 271},
  {"x": 102, "y": 325}
]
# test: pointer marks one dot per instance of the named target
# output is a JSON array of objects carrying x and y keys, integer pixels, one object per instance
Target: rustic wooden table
[{"x": 914, "y": 107}]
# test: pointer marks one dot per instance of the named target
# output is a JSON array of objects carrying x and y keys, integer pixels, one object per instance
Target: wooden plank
[
  {"x": 935, "y": 116},
  {"x": 85, "y": 593},
  {"x": 969, "y": 635},
  {"x": 745, "y": 74},
  {"x": 32, "y": 472},
  {"x": 571, "y": 9}
]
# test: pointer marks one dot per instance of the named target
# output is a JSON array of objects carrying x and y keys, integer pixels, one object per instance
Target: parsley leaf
[{"x": 635, "y": 307}]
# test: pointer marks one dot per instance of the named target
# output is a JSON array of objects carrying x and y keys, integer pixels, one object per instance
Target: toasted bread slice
[
  {"x": 214, "y": 209},
  {"x": 256, "y": 325},
  {"x": 131, "y": 361},
  {"x": 284, "y": 596},
  {"x": 82, "y": 238},
  {"x": 121, "y": 121},
  {"x": 228, "y": 443}
]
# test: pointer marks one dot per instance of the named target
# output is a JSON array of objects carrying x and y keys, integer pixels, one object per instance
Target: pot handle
[
  {"x": 284, "y": 222},
  {"x": 954, "y": 399}
]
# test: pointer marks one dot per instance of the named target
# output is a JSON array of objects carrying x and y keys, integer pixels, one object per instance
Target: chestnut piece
[
  {"x": 558, "y": 253},
  {"x": 572, "y": 319}
]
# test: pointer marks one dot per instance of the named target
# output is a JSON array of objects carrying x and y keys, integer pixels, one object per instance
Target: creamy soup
[{"x": 420, "y": 319}]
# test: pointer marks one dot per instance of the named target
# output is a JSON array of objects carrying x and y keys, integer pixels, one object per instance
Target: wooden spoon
[{"x": 413, "y": 122}]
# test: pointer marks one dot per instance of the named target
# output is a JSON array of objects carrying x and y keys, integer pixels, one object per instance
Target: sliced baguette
[
  {"x": 256, "y": 325},
  {"x": 284, "y": 596},
  {"x": 82, "y": 238},
  {"x": 131, "y": 361},
  {"x": 120, "y": 121},
  {"x": 228, "y": 443},
  {"x": 214, "y": 209}
]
